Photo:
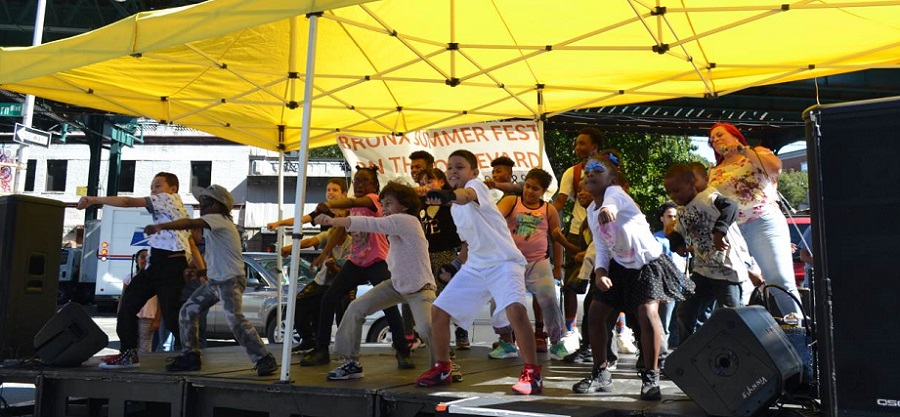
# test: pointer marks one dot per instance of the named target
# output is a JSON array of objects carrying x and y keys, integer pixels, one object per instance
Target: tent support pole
[
  {"x": 279, "y": 239},
  {"x": 302, "y": 159}
]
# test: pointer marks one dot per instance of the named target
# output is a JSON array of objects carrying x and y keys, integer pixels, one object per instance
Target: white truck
[{"x": 109, "y": 250}]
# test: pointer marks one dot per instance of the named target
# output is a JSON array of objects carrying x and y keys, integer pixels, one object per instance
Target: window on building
[
  {"x": 56, "y": 175},
  {"x": 29, "y": 176},
  {"x": 126, "y": 177},
  {"x": 201, "y": 174}
]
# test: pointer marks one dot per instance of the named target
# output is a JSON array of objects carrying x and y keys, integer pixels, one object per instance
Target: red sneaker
[
  {"x": 530, "y": 381},
  {"x": 439, "y": 374}
]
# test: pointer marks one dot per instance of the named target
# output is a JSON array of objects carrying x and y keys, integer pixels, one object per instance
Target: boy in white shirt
[{"x": 495, "y": 268}]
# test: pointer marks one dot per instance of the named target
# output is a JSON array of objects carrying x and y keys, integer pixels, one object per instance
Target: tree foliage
[
  {"x": 645, "y": 159},
  {"x": 794, "y": 186},
  {"x": 329, "y": 152}
]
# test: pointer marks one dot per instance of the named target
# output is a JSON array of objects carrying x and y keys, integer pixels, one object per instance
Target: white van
[{"x": 121, "y": 235}]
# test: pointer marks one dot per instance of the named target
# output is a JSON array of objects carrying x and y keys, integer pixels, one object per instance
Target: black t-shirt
[{"x": 437, "y": 223}]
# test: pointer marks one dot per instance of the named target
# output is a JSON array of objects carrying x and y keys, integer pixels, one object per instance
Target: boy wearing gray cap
[{"x": 226, "y": 282}]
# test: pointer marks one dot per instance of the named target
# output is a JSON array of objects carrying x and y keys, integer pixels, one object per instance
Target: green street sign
[{"x": 10, "y": 110}]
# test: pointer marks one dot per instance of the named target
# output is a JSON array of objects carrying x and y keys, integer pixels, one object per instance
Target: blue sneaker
[
  {"x": 504, "y": 350},
  {"x": 349, "y": 370}
]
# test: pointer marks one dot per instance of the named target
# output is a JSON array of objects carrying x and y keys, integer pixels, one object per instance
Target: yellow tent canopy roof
[{"x": 235, "y": 68}]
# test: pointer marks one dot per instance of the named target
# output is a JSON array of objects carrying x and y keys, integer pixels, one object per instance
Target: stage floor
[{"x": 227, "y": 385}]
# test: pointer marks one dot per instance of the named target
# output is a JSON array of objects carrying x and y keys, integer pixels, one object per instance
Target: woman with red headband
[{"x": 749, "y": 175}]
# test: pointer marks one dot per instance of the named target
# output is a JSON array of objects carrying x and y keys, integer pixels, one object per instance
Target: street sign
[
  {"x": 30, "y": 136},
  {"x": 10, "y": 110}
]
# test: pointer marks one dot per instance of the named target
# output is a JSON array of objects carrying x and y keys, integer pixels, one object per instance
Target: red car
[{"x": 797, "y": 223}]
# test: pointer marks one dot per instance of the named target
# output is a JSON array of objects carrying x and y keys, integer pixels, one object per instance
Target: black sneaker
[
  {"x": 190, "y": 361},
  {"x": 266, "y": 365},
  {"x": 582, "y": 355},
  {"x": 305, "y": 346},
  {"x": 404, "y": 361},
  {"x": 462, "y": 339},
  {"x": 599, "y": 381},
  {"x": 650, "y": 385},
  {"x": 316, "y": 357}
]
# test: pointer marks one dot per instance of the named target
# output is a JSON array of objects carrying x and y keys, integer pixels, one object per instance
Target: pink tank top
[{"x": 529, "y": 229}]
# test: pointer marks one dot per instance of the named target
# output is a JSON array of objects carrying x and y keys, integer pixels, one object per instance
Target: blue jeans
[
  {"x": 769, "y": 241},
  {"x": 692, "y": 312}
]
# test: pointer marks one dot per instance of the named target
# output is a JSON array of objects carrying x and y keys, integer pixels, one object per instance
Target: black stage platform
[{"x": 227, "y": 386}]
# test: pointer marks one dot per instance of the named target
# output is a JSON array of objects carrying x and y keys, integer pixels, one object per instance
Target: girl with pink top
[{"x": 532, "y": 222}]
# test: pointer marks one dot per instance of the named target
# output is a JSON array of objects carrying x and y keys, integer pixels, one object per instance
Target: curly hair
[
  {"x": 404, "y": 194},
  {"x": 542, "y": 177}
]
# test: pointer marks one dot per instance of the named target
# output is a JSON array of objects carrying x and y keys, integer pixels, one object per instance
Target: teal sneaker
[
  {"x": 504, "y": 350},
  {"x": 558, "y": 351}
]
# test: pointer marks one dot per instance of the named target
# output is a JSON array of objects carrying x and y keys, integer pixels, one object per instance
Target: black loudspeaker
[
  {"x": 69, "y": 338},
  {"x": 854, "y": 176},
  {"x": 737, "y": 364},
  {"x": 30, "y": 237}
]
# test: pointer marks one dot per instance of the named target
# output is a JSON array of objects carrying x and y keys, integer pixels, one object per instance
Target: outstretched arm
[
  {"x": 118, "y": 201},
  {"x": 180, "y": 224}
]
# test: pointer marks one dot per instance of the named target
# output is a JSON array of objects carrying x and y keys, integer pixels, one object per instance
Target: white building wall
[{"x": 229, "y": 168}]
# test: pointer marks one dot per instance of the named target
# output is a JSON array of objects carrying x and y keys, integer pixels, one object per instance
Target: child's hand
[
  {"x": 151, "y": 229},
  {"x": 440, "y": 197},
  {"x": 558, "y": 272},
  {"x": 720, "y": 241},
  {"x": 324, "y": 219},
  {"x": 323, "y": 207},
  {"x": 272, "y": 226},
  {"x": 579, "y": 257},
  {"x": 83, "y": 203},
  {"x": 604, "y": 284},
  {"x": 422, "y": 190},
  {"x": 286, "y": 250},
  {"x": 755, "y": 278},
  {"x": 606, "y": 216},
  {"x": 489, "y": 181}
]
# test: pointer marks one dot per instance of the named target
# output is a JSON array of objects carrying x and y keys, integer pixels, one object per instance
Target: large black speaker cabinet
[
  {"x": 854, "y": 176},
  {"x": 30, "y": 237},
  {"x": 737, "y": 364},
  {"x": 69, "y": 338}
]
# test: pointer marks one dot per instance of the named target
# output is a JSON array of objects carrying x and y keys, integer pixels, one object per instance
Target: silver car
[{"x": 260, "y": 297}]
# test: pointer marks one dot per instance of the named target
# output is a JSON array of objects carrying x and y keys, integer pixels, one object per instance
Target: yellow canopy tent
[
  {"x": 252, "y": 72},
  {"x": 235, "y": 68}
]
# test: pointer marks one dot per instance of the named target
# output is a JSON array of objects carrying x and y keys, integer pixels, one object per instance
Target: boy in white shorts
[{"x": 495, "y": 268}]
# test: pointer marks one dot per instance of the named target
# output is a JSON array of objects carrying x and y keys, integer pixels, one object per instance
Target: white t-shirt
[
  {"x": 484, "y": 229},
  {"x": 567, "y": 187},
  {"x": 166, "y": 208},
  {"x": 628, "y": 240},
  {"x": 223, "y": 248}
]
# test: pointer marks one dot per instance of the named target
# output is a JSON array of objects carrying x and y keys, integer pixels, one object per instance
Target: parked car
[
  {"x": 260, "y": 297},
  {"x": 260, "y": 300},
  {"x": 798, "y": 223}
]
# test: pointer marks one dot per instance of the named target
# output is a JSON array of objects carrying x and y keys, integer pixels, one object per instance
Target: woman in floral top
[{"x": 749, "y": 175}]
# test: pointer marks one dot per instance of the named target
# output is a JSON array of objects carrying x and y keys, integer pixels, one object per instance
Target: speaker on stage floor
[
  {"x": 854, "y": 172},
  {"x": 30, "y": 236},
  {"x": 737, "y": 364},
  {"x": 69, "y": 338}
]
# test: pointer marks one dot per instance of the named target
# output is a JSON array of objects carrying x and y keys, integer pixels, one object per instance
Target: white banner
[{"x": 517, "y": 140}]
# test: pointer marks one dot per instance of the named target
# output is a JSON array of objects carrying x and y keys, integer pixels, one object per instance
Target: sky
[{"x": 706, "y": 152}]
